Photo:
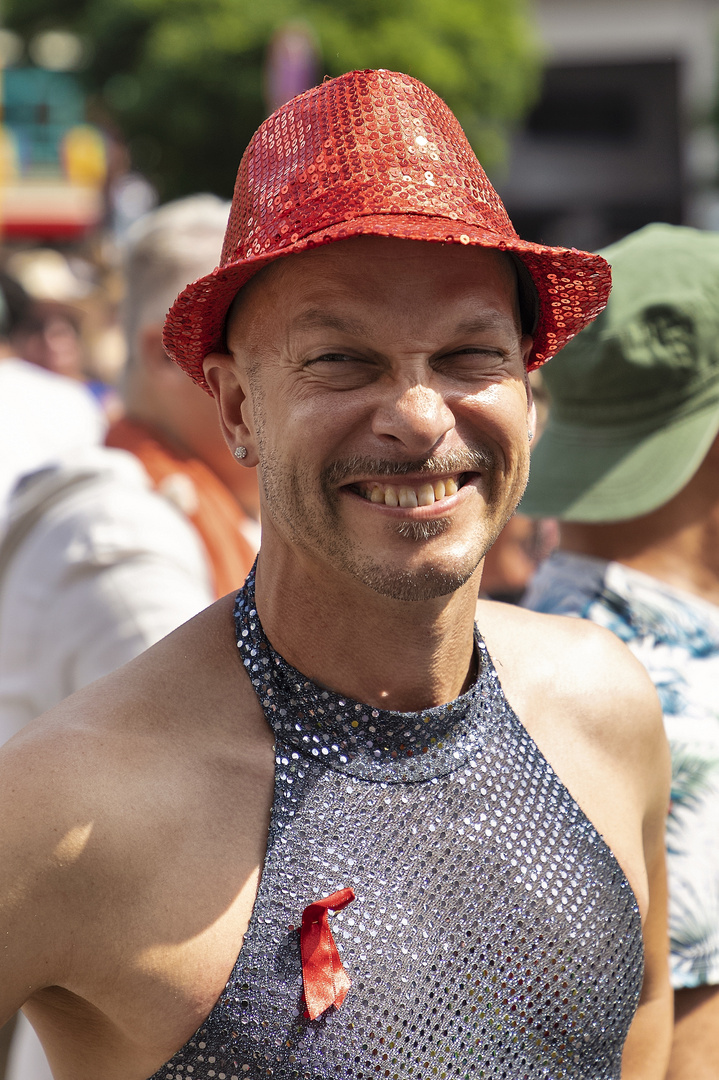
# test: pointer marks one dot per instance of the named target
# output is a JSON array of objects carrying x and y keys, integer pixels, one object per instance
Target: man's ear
[
  {"x": 233, "y": 402},
  {"x": 531, "y": 418},
  {"x": 531, "y": 407}
]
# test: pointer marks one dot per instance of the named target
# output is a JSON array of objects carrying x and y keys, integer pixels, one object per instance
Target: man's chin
[{"x": 415, "y": 583}]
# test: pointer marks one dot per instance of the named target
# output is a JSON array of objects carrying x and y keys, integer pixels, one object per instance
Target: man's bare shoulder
[
  {"x": 573, "y": 670},
  {"x": 148, "y": 776},
  {"x": 181, "y": 703},
  {"x": 179, "y": 706},
  {"x": 183, "y": 693},
  {"x": 186, "y": 675}
]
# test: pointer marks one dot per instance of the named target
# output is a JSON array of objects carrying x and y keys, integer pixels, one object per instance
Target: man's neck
[
  {"x": 677, "y": 544},
  {"x": 390, "y": 654}
]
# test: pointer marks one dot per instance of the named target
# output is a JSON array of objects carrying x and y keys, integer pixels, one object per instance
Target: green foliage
[{"x": 182, "y": 79}]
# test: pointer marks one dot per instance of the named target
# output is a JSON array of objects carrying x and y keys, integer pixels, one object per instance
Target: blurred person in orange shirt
[
  {"x": 170, "y": 426},
  {"x": 115, "y": 547}
]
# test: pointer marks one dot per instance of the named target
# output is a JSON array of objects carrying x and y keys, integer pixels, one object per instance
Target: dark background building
[{"x": 623, "y": 132}]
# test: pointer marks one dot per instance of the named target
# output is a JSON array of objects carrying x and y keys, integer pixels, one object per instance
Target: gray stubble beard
[
  {"x": 407, "y": 586},
  {"x": 422, "y": 530}
]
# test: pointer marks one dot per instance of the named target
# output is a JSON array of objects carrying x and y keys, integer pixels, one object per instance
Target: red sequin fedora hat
[{"x": 371, "y": 153}]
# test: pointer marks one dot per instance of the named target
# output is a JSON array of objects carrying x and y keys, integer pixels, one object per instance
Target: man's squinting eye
[
  {"x": 335, "y": 358},
  {"x": 473, "y": 357},
  {"x": 341, "y": 365},
  {"x": 479, "y": 350},
  {"x": 342, "y": 371}
]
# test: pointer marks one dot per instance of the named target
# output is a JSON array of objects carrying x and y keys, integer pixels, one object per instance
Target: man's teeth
[{"x": 404, "y": 496}]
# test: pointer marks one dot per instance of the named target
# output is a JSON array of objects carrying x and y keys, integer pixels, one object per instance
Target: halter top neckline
[{"x": 348, "y": 736}]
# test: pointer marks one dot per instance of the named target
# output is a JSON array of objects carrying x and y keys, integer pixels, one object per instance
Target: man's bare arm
[
  {"x": 36, "y": 851},
  {"x": 646, "y": 1051}
]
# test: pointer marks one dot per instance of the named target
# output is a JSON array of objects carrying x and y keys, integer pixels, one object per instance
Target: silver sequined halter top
[{"x": 493, "y": 932}]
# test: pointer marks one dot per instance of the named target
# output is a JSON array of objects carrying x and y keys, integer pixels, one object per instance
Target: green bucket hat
[{"x": 634, "y": 398}]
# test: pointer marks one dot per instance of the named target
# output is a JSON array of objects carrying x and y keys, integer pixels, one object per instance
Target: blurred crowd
[{"x": 122, "y": 512}]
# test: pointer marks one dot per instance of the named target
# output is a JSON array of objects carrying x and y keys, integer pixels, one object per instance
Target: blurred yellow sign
[{"x": 84, "y": 156}]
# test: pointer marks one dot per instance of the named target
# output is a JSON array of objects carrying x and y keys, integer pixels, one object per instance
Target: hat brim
[
  {"x": 593, "y": 475},
  {"x": 573, "y": 286}
]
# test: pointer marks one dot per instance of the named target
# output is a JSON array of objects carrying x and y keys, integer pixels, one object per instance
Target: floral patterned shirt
[{"x": 676, "y": 636}]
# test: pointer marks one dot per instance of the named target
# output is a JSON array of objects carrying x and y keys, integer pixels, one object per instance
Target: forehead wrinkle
[{"x": 319, "y": 319}]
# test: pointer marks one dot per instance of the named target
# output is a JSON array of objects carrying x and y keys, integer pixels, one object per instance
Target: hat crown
[{"x": 367, "y": 143}]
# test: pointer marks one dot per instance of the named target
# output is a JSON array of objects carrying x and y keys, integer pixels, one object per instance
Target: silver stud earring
[
  {"x": 240, "y": 452},
  {"x": 530, "y": 436}
]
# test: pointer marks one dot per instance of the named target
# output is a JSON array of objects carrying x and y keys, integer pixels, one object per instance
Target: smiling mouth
[{"x": 410, "y": 495}]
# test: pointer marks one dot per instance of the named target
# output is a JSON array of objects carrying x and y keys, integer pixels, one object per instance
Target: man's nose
[{"x": 416, "y": 416}]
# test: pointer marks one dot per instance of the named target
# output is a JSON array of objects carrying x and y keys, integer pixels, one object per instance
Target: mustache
[{"x": 480, "y": 459}]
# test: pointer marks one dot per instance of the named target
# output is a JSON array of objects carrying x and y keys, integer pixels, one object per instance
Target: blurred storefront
[{"x": 52, "y": 164}]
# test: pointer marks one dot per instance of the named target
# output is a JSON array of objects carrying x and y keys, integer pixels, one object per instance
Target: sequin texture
[
  {"x": 493, "y": 933},
  {"x": 371, "y": 153}
]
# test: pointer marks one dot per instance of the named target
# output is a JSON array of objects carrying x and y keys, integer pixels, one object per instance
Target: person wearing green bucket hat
[
  {"x": 635, "y": 396},
  {"x": 629, "y": 465}
]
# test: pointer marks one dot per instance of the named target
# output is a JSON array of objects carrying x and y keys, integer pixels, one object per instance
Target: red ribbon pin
[{"x": 325, "y": 980}]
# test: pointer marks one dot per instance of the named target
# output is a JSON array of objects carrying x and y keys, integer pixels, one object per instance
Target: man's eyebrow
[
  {"x": 491, "y": 320},
  {"x": 317, "y": 319}
]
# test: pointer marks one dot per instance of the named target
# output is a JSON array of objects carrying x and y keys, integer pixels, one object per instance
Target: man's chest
[
  {"x": 480, "y": 899},
  {"x": 475, "y": 884}
]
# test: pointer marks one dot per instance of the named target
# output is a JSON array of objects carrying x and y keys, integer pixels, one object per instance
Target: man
[
  {"x": 630, "y": 465},
  {"x": 42, "y": 415},
  {"x": 485, "y": 924}
]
